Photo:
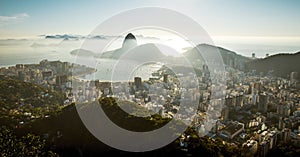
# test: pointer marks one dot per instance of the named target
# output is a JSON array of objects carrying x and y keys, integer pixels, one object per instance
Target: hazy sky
[
  {"x": 218, "y": 17},
  {"x": 261, "y": 22}
]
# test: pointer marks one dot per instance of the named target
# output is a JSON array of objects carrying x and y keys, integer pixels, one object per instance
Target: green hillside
[
  {"x": 68, "y": 136},
  {"x": 23, "y": 101},
  {"x": 280, "y": 65}
]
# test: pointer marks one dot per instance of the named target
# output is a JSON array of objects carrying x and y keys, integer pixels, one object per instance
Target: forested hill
[
  {"x": 230, "y": 58},
  {"x": 67, "y": 135},
  {"x": 281, "y": 64}
]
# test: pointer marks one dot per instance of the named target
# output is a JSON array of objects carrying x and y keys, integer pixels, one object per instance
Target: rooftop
[{"x": 233, "y": 127}]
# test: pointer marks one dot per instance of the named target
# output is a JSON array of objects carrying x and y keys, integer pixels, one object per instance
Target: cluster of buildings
[
  {"x": 53, "y": 75},
  {"x": 161, "y": 94},
  {"x": 253, "y": 112},
  {"x": 50, "y": 74},
  {"x": 260, "y": 112}
]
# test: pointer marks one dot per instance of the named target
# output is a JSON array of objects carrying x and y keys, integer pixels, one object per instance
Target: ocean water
[
  {"x": 106, "y": 71},
  {"x": 14, "y": 52}
]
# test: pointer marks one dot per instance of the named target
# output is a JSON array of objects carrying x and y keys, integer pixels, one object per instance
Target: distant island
[{"x": 83, "y": 52}]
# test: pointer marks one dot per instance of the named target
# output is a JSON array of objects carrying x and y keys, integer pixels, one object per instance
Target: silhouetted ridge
[
  {"x": 129, "y": 41},
  {"x": 130, "y": 36},
  {"x": 280, "y": 65},
  {"x": 230, "y": 58}
]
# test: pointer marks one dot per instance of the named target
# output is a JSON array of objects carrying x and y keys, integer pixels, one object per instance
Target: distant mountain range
[
  {"x": 75, "y": 37},
  {"x": 65, "y": 36},
  {"x": 83, "y": 52}
]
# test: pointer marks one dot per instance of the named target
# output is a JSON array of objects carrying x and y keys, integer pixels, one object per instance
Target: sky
[{"x": 227, "y": 21}]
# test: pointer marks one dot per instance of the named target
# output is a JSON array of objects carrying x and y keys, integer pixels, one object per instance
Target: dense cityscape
[{"x": 258, "y": 112}]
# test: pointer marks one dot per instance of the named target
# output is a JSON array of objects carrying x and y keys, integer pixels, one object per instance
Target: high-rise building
[
  {"x": 273, "y": 139},
  {"x": 267, "y": 55},
  {"x": 263, "y": 148},
  {"x": 21, "y": 75},
  {"x": 240, "y": 100},
  {"x": 65, "y": 67},
  {"x": 293, "y": 78},
  {"x": 283, "y": 109},
  {"x": 254, "y": 99},
  {"x": 253, "y": 55},
  {"x": 225, "y": 113},
  {"x": 205, "y": 67},
  {"x": 20, "y": 66},
  {"x": 250, "y": 148},
  {"x": 61, "y": 79},
  {"x": 286, "y": 135},
  {"x": 138, "y": 83},
  {"x": 165, "y": 78},
  {"x": 263, "y": 102},
  {"x": 281, "y": 123},
  {"x": 257, "y": 87}
]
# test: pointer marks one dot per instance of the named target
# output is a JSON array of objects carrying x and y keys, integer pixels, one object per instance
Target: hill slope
[
  {"x": 18, "y": 98},
  {"x": 68, "y": 136},
  {"x": 281, "y": 64},
  {"x": 230, "y": 58}
]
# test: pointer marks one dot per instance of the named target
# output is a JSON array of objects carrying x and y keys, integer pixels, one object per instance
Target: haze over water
[{"x": 27, "y": 51}]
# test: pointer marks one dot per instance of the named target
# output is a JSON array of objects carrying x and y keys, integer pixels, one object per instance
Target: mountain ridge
[
  {"x": 281, "y": 64},
  {"x": 230, "y": 58}
]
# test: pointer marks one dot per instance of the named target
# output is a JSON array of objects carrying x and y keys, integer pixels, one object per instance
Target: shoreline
[{"x": 86, "y": 71}]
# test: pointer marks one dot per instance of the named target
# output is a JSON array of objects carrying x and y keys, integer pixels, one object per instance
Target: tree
[{"x": 29, "y": 145}]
